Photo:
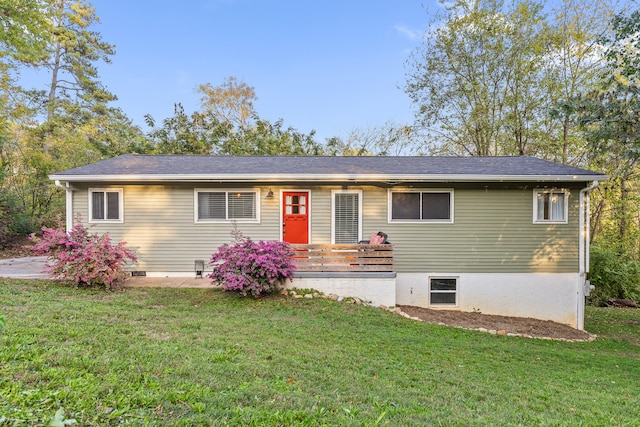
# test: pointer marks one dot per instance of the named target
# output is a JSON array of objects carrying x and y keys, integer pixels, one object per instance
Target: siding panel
[{"x": 493, "y": 228}]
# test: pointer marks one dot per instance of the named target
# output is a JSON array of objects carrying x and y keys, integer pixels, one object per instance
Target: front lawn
[{"x": 204, "y": 357}]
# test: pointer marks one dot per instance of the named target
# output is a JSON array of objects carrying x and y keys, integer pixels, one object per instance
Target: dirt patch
[
  {"x": 21, "y": 248},
  {"x": 504, "y": 324}
]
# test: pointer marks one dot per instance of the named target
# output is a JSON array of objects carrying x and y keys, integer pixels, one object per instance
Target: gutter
[
  {"x": 68, "y": 204},
  {"x": 584, "y": 287},
  {"x": 355, "y": 177},
  {"x": 585, "y": 232}
]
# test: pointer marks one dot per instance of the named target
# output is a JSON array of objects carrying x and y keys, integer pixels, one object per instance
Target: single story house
[{"x": 499, "y": 235}]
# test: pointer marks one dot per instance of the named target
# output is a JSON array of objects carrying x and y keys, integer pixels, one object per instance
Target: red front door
[{"x": 295, "y": 217}]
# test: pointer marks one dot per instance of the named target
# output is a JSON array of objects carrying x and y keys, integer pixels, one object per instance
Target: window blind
[{"x": 347, "y": 220}]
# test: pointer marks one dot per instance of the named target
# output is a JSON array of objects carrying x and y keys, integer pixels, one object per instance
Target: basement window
[{"x": 443, "y": 291}]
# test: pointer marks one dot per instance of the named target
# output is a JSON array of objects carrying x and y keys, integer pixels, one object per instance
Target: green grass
[{"x": 203, "y": 357}]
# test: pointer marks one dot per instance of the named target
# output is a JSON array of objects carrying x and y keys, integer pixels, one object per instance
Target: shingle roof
[{"x": 132, "y": 167}]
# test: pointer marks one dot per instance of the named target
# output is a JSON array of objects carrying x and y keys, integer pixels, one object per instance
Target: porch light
[
  {"x": 269, "y": 195},
  {"x": 199, "y": 267}
]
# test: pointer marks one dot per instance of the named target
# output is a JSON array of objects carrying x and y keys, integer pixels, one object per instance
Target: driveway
[{"x": 23, "y": 268}]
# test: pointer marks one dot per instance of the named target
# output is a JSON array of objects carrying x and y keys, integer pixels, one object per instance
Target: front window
[
  {"x": 105, "y": 205},
  {"x": 443, "y": 291},
  {"x": 226, "y": 206},
  {"x": 550, "y": 206},
  {"x": 428, "y": 206}
]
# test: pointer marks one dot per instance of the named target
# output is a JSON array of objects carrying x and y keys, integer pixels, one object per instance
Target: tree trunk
[
  {"x": 595, "y": 220},
  {"x": 622, "y": 212},
  {"x": 565, "y": 139}
]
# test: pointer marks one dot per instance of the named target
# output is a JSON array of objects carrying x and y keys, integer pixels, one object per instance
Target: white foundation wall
[
  {"x": 546, "y": 296},
  {"x": 377, "y": 291}
]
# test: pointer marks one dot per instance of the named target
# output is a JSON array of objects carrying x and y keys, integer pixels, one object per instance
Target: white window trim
[
  {"x": 420, "y": 221},
  {"x": 537, "y": 191},
  {"x": 196, "y": 220},
  {"x": 456, "y": 292},
  {"x": 333, "y": 212},
  {"x": 120, "y": 192}
]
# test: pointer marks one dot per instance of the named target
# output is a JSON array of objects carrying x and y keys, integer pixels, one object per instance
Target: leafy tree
[
  {"x": 609, "y": 117},
  {"x": 488, "y": 75},
  {"x": 227, "y": 124},
  {"x": 472, "y": 78},
  {"x": 24, "y": 30},
  {"x": 266, "y": 138},
  {"x": 390, "y": 139},
  {"x": 231, "y": 103},
  {"x": 186, "y": 134},
  {"x": 69, "y": 122},
  {"x": 72, "y": 54},
  {"x": 574, "y": 67}
]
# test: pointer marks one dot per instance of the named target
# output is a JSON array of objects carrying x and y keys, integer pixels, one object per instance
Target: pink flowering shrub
[
  {"x": 251, "y": 268},
  {"x": 82, "y": 258}
]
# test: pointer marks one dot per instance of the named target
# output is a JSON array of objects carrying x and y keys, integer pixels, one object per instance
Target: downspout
[
  {"x": 68, "y": 204},
  {"x": 584, "y": 287}
]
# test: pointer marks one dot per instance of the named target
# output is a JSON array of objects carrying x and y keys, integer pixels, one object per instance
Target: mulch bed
[{"x": 514, "y": 325}]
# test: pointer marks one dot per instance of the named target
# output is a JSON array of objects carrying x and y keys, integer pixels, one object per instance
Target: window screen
[
  {"x": 405, "y": 205},
  {"x": 422, "y": 205},
  {"x": 113, "y": 205},
  {"x": 105, "y": 205},
  {"x": 97, "y": 205},
  {"x": 443, "y": 291},
  {"x": 436, "y": 205}
]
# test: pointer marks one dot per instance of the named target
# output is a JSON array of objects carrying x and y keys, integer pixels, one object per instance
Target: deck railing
[{"x": 344, "y": 257}]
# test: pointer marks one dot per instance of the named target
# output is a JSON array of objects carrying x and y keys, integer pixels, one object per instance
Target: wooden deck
[{"x": 343, "y": 258}]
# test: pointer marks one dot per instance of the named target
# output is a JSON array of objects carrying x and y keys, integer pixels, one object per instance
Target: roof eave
[{"x": 327, "y": 178}]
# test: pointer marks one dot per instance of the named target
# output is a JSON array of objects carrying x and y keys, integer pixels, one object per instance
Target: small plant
[
  {"x": 251, "y": 268},
  {"x": 83, "y": 258},
  {"x": 2, "y": 326},
  {"x": 59, "y": 420}
]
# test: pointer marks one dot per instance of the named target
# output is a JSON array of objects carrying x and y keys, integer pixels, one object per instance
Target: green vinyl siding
[
  {"x": 493, "y": 229},
  {"x": 159, "y": 225}
]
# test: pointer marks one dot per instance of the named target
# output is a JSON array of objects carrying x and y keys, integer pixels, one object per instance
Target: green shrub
[
  {"x": 14, "y": 221},
  {"x": 613, "y": 276}
]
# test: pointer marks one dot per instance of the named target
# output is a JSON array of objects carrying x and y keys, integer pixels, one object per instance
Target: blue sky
[{"x": 330, "y": 65}]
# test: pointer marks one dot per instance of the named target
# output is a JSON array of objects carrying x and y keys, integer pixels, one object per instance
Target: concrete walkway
[
  {"x": 23, "y": 268},
  {"x": 31, "y": 268},
  {"x": 168, "y": 282}
]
